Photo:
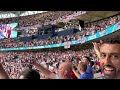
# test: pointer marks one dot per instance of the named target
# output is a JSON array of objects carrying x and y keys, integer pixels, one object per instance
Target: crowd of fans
[
  {"x": 53, "y": 18},
  {"x": 16, "y": 62},
  {"x": 89, "y": 29},
  {"x": 92, "y": 27},
  {"x": 37, "y": 19}
]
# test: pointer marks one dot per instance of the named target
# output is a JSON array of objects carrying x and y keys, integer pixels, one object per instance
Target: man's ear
[
  {"x": 79, "y": 69},
  {"x": 65, "y": 72},
  {"x": 101, "y": 41}
]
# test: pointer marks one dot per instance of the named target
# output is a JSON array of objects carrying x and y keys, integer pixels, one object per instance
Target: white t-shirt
[{"x": 57, "y": 76}]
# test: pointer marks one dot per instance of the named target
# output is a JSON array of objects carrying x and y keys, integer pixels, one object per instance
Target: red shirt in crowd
[
  {"x": 8, "y": 33},
  {"x": 99, "y": 63},
  {"x": 73, "y": 76}
]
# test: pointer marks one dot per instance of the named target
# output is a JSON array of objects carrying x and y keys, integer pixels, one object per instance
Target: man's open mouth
[{"x": 109, "y": 70}]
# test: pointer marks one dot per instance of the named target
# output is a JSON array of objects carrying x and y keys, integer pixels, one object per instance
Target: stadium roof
[
  {"x": 88, "y": 17},
  {"x": 97, "y": 15},
  {"x": 14, "y": 12},
  {"x": 9, "y": 14}
]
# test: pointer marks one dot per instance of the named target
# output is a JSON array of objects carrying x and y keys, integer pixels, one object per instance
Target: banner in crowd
[
  {"x": 30, "y": 27},
  {"x": 67, "y": 45},
  {"x": 107, "y": 31},
  {"x": 7, "y": 30}
]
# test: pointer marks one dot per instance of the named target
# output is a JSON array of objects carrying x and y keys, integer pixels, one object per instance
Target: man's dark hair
[
  {"x": 57, "y": 65},
  {"x": 31, "y": 74},
  {"x": 88, "y": 58},
  {"x": 30, "y": 66},
  {"x": 91, "y": 63},
  {"x": 112, "y": 40}
]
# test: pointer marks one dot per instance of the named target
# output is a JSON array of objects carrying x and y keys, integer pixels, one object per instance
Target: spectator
[
  {"x": 30, "y": 74},
  {"x": 91, "y": 63},
  {"x": 87, "y": 60},
  {"x": 82, "y": 74},
  {"x": 64, "y": 71},
  {"x": 109, "y": 54}
]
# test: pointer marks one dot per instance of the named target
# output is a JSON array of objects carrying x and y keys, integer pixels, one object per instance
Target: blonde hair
[{"x": 82, "y": 66}]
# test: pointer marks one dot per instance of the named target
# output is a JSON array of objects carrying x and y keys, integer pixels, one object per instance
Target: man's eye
[
  {"x": 114, "y": 56},
  {"x": 102, "y": 55}
]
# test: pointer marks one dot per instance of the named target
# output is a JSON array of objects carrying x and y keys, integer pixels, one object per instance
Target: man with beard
[{"x": 109, "y": 53}]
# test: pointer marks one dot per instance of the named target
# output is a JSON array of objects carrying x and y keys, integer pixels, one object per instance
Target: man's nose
[{"x": 107, "y": 60}]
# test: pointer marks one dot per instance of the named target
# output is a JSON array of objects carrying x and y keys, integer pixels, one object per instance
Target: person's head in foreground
[
  {"x": 30, "y": 74},
  {"x": 110, "y": 57},
  {"x": 65, "y": 69},
  {"x": 82, "y": 67},
  {"x": 63, "y": 72}
]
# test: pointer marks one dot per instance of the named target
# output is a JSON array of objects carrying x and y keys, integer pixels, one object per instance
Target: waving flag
[
  {"x": 67, "y": 45},
  {"x": 7, "y": 29}
]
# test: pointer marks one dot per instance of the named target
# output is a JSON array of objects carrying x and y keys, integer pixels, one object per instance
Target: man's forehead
[
  {"x": 64, "y": 64},
  {"x": 110, "y": 45},
  {"x": 110, "y": 48},
  {"x": 84, "y": 58}
]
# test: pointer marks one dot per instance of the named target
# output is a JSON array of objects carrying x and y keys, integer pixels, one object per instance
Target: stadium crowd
[
  {"x": 38, "y": 19},
  {"x": 89, "y": 29},
  {"x": 16, "y": 62}
]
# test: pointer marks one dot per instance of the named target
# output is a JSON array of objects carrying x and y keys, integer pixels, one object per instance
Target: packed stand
[
  {"x": 90, "y": 29},
  {"x": 16, "y": 62},
  {"x": 37, "y": 19}
]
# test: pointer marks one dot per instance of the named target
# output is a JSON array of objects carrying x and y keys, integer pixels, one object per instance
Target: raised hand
[{"x": 97, "y": 47}]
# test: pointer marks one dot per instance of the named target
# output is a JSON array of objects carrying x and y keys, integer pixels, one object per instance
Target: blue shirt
[
  {"x": 85, "y": 76},
  {"x": 89, "y": 71}
]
